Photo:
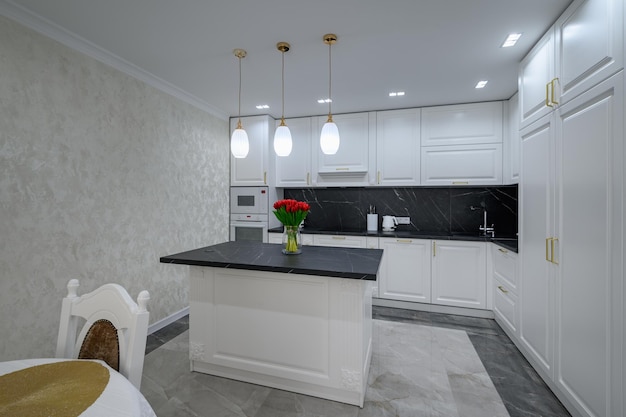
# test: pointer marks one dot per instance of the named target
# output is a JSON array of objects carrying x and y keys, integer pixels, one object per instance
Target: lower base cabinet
[
  {"x": 459, "y": 273},
  {"x": 444, "y": 272},
  {"x": 405, "y": 270}
]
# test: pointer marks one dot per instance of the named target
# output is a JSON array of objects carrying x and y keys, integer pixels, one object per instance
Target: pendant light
[
  {"x": 282, "y": 136},
  {"x": 239, "y": 144},
  {"x": 329, "y": 139}
]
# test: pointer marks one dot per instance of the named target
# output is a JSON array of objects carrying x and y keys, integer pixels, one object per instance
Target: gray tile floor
[{"x": 424, "y": 364}]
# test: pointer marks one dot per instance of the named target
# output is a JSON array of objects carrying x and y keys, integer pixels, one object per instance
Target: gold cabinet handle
[
  {"x": 501, "y": 288},
  {"x": 503, "y": 250},
  {"x": 552, "y": 98},
  {"x": 339, "y": 237},
  {"x": 434, "y": 249},
  {"x": 404, "y": 240},
  {"x": 460, "y": 182},
  {"x": 552, "y": 250},
  {"x": 308, "y": 175},
  {"x": 264, "y": 177},
  {"x": 378, "y": 178},
  {"x": 342, "y": 169},
  {"x": 548, "y": 103}
]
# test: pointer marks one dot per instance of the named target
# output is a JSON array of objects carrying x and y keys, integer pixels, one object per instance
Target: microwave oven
[{"x": 249, "y": 200}]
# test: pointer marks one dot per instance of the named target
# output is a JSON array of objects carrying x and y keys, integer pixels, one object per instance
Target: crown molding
[{"x": 50, "y": 29}]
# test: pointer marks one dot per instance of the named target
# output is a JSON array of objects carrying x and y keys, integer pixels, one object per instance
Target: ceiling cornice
[{"x": 47, "y": 28}]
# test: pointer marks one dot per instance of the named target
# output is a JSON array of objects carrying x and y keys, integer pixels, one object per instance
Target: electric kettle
[{"x": 389, "y": 223}]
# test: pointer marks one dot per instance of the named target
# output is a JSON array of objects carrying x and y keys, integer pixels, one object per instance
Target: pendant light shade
[
  {"x": 239, "y": 144},
  {"x": 329, "y": 139},
  {"x": 282, "y": 136}
]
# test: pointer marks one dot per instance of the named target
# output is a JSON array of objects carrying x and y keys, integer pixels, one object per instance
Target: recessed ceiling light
[
  {"x": 324, "y": 100},
  {"x": 396, "y": 93},
  {"x": 481, "y": 84},
  {"x": 262, "y": 106},
  {"x": 511, "y": 40}
]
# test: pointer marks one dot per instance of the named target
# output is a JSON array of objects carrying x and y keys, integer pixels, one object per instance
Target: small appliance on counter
[{"x": 389, "y": 223}]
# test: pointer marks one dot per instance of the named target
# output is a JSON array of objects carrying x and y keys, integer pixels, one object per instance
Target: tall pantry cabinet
[{"x": 571, "y": 293}]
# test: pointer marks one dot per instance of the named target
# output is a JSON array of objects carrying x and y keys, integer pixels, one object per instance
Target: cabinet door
[
  {"x": 405, "y": 270},
  {"x": 295, "y": 170},
  {"x": 254, "y": 168},
  {"x": 512, "y": 143},
  {"x": 459, "y": 273},
  {"x": 505, "y": 306},
  {"x": 351, "y": 164},
  {"x": 590, "y": 39},
  {"x": 398, "y": 147},
  {"x": 340, "y": 240},
  {"x": 462, "y": 165},
  {"x": 460, "y": 124},
  {"x": 589, "y": 315},
  {"x": 536, "y": 287},
  {"x": 536, "y": 71}
]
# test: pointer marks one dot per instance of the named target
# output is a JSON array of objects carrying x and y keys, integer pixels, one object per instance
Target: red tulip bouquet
[{"x": 291, "y": 213}]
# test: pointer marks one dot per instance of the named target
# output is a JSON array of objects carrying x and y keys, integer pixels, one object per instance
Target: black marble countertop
[
  {"x": 351, "y": 263},
  {"x": 506, "y": 242}
]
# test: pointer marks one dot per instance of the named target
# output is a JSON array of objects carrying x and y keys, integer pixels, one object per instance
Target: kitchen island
[{"x": 301, "y": 323}]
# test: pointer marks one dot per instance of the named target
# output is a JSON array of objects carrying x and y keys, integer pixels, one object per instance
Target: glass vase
[{"x": 292, "y": 240}]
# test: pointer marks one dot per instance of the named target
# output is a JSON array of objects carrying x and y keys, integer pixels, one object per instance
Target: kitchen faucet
[{"x": 486, "y": 230}]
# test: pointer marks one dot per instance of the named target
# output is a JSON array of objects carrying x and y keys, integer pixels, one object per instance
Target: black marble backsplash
[{"x": 431, "y": 209}]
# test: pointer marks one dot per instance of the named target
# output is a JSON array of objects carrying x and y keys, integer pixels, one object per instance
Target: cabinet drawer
[
  {"x": 505, "y": 305},
  {"x": 505, "y": 266}
]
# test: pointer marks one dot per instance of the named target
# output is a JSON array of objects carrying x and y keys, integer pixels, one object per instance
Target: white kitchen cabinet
[
  {"x": 537, "y": 226},
  {"x": 340, "y": 240},
  {"x": 462, "y": 164},
  {"x": 254, "y": 169},
  {"x": 398, "y": 147},
  {"x": 505, "y": 305},
  {"x": 459, "y": 273},
  {"x": 535, "y": 75},
  {"x": 295, "y": 170},
  {"x": 273, "y": 237},
  {"x": 405, "y": 270},
  {"x": 353, "y": 164},
  {"x": 462, "y": 124},
  {"x": 571, "y": 244},
  {"x": 511, "y": 143},
  {"x": 583, "y": 48}
]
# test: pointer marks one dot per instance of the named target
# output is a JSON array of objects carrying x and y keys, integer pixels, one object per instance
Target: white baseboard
[
  {"x": 168, "y": 320},
  {"x": 433, "y": 308}
]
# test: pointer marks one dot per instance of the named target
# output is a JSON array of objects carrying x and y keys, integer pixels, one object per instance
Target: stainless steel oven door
[{"x": 249, "y": 231}]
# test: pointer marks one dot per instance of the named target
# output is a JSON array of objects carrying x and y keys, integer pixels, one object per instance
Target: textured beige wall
[{"x": 100, "y": 175}]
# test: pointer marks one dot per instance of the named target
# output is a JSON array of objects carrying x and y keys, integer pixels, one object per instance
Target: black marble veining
[
  {"x": 351, "y": 263},
  {"x": 436, "y": 210}
]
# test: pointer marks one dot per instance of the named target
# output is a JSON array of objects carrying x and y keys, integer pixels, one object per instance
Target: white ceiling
[{"x": 434, "y": 50}]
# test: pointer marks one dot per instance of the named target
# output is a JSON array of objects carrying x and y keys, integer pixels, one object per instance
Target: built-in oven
[
  {"x": 249, "y": 200},
  {"x": 250, "y": 227},
  {"x": 249, "y": 213}
]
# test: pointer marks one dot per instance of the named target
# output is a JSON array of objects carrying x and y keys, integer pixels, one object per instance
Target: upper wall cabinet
[
  {"x": 354, "y": 160},
  {"x": 398, "y": 147},
  {"x": 511, "y": 143},
  {"x": 295, "y": 170},
  {"x": 463, "y": 124},
  {"x": 254, "y": 169},
  {"x": 462, "y": 144},
  {"x": 583, "y": 48}
]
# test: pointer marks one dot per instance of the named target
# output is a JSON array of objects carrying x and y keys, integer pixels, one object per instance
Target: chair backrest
[{"x": 115, "y": 328}]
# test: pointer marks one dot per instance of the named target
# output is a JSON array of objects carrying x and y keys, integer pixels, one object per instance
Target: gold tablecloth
[{"x": 60, "y": 389}]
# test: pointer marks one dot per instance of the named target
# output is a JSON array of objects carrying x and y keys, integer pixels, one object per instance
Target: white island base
[{"x": 301, "y": 333}]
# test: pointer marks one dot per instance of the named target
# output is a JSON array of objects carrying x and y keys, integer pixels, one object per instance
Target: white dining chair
[{"x": 113, "y": 328}]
